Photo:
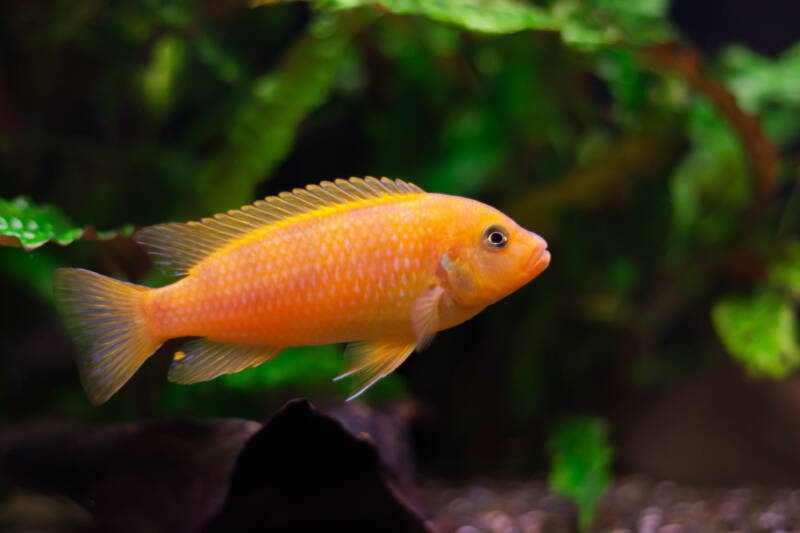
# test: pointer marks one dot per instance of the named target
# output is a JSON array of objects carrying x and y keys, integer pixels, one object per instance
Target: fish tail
[{"x": 105, "y": 318}]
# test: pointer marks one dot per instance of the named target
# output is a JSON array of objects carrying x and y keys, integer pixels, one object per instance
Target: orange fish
[{"x": 377, "y": 263}]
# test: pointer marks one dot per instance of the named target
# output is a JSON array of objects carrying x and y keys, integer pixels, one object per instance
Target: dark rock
[
  {"x": 148, "y": 476},
  {"x": 387, "y": 429},
  {"x": 301, "y": 471},
  {"x": 304, "y": 472}
]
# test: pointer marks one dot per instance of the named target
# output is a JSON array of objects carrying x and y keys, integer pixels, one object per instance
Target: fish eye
[{"x": 495, "y": 237}]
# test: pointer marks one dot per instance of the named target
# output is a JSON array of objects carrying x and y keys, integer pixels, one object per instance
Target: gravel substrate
[{"x": 632, "y": 505}]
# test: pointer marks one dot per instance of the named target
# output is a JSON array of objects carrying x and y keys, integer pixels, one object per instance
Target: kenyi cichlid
[{"x": 377, "y": 263}]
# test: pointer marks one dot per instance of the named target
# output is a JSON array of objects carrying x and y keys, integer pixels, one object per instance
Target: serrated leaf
[
  {"x": 590, "y": 24},
  {"x": 760, "y": 332},
  {"x": 488, "y": 16},
  {"x": 582, "y": 23},
  {"x": 23, "y": 224},
  {"x": 580, "y": 463},
  {"x": 263, "y": 128}
]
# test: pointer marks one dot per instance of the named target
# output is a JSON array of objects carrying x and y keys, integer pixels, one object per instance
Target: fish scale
[
  {"x": 342, "y": 284},
  {"x": 377, "y": 263}
]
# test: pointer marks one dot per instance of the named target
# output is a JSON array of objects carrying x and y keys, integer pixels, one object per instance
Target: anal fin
[
  {"x": 369, "y": 361},
  {"x": 203, "y": 360}
]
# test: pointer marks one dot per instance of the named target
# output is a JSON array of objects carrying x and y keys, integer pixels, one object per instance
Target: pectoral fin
[
  {"x": 425, "y": 316},
  {"x": 455, "y": 274},
  {"x": 203, "y": 360},
  {"x": 369, "y": 361}
]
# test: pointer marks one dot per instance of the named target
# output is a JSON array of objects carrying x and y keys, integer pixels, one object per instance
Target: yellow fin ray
[
  {"x": 178, "y": 247},
  {"x": 369, "y": 361},
  {"x": 203, "y": 360}
]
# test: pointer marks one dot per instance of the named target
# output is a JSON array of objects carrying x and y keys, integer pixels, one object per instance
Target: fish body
[{"x": 377, "y": 263}]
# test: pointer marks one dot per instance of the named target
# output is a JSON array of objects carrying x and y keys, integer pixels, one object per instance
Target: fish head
[{"x": 489, "y": 256}]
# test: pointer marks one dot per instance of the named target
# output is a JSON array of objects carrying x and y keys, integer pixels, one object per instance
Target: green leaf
[
  {"x": 760, "y": 332},
  {"x": 642, "y": 8},
  {"x": 757, "y": 80},
  {"x": 767, "y": 87},
  {"x": 489, "y": 16},
  {"x": 24, "y": 224},
  {"x": 589, "y": 24},
  {"x": 784, "y": 271},
  {"x": 263, "y": 128},
  {"x": 580, "y": 463},
  {"x": 583, "y": 24},
  {"x": 710, "y": 185}
]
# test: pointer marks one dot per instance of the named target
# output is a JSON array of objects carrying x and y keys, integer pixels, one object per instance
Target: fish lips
[{"x": 539, "y": 260}]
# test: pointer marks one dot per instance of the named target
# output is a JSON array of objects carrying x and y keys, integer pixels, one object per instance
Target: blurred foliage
[
  {"x": 492, "y": 16},
  {"x": 784, "y": 270},
  {"x": 580, "y": 463},
  {"x": 760, "y": 331},
  {"x": 767, "y": 87},
  {"x": 583, "y": 24},
  {"x": 158, "y": 79},
  {"x": 262, "y": 129},
  {"x": 652, "y": 174},
  {"x": 710, "y": 186}
]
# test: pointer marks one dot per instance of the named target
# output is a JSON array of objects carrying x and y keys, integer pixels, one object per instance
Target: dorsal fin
[{"x": 177, "y": 247}]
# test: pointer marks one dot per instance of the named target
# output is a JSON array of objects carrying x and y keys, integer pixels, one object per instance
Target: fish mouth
[{"x": 540, "y": 258}]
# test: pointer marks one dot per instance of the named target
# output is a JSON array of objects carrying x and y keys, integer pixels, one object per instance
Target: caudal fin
[{"x": 104, "y": 317}]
